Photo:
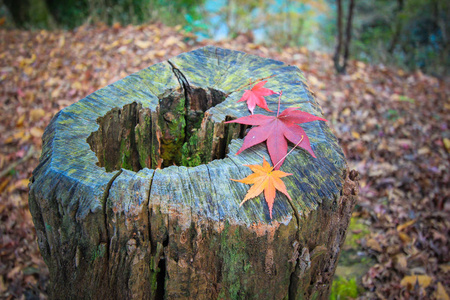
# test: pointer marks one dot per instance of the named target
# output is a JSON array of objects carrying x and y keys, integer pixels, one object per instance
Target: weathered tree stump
[{"x": 133, "y": 199}]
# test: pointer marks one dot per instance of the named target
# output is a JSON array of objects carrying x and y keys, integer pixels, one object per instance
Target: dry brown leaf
[
  {"x": 401, "y": 261},
  {"x": 4, "y": 184},
  {"x": 410, "y": 281},
  {"x": 170, "y": 41},
  {"x": 19, "y": 122},
  {"x": 346, "y": 112},
  {"x": 404, "y": 237},
  {"x": 374, "y": 245},
  {"x": 143, "y": 44},
  {"x": 447, "y": 144},
  {"x": 445, "y": 268},
  {"x": 355, "y": 135},
  {"x": 3, "y": 287},
  {"x": 405, "y": 225},
  {"x": 441, "y": 293},
  {"x": 19, "y": 185},
  {"x": 36, "y": 114},
  {"x": 36, "y": 132}
]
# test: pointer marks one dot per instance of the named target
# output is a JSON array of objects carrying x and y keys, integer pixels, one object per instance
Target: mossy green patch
[
  {"x": 172, "y": 122},
  {"x": 126, "y": 156},
  {"x": 356, "y": 230},
  {"x": 99, "y": 252},
  {"x": 353, "y": 262},
  {"x": 344, "y": 289},
  {"x": 235, "y": 263},
  {"x": 143, "y": 140},
  {"x": 191, "y": 155}
]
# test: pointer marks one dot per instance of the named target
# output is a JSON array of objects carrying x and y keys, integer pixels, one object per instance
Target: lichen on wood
[{"x": 132, "y": 197}]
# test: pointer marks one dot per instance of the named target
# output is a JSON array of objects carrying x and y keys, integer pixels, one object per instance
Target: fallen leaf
[
  {"x": 143, "y": 44},
  {"x": 37, "y": 114},
  {"x": 13, "y": 272},
  {"x": 3, "y": 287},
  {"x": 160, "y": 53},
  {"x": 401, "y": 261},
  {"x": 374, "y": 245},
  {"x": 19, "y": 185},
  {"x": 405, "y": 225},
  {"x": 266, "y": 179},
  {"x": 255, "y": 96},
  {"x": 404, "y": 237},
  {"x": 445, "y": 268},
  {"x": 276, "y": 131},
  {"x": 424, "y": 151},
  {"x": 4, "y": 184},
  {"x": 440, "y": 293},
  {"x": 19, "y": 122},
  {"x": 410, "y": 281},
  {"x": 170, "y": 41},
  {"x": 355, "y": 135},
  {"x": 36, "y": 132},
  {"x": 447, "y": 144},
  {"x": 346, "y": 112}
]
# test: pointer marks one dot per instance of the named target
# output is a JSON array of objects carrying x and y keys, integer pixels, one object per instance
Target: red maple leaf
[
  {"x": 255, "y": 96},
  {"x": 276, "y": 131}
]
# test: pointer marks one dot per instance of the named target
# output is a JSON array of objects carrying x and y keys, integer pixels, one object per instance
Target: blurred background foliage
[{"x": 412, "y": 34}]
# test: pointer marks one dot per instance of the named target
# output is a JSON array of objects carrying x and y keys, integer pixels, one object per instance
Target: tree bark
[
  {"x": 341, "y": 64},
  {"x": 120, "y": 213},
  {"x": 398, "y": 27},
  {"x": 30, "y": 13},
  {"x": 337, "y": 51}
]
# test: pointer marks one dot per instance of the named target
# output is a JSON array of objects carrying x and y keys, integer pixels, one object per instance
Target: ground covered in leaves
[{"x": 393, "y": 126}]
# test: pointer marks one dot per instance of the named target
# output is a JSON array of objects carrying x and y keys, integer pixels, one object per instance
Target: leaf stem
[
  {"x": 279, "y": 101},
  {"x": 288, "y": 153}
]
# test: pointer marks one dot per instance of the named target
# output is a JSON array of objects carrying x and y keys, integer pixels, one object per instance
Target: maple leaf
[
  {"x": 255, "y": 96},
  {"x": 276, "y": 131},
  {"x": 264, "y": 178}
]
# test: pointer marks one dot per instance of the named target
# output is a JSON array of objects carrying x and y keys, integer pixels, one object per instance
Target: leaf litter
[{"x": 393, "y": 127}]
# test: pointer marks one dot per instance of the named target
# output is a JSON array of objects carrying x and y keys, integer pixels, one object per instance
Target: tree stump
[{"x": 132, "y": 198}]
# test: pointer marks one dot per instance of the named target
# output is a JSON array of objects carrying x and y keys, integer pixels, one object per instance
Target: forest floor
[{"x": 393, "y": 127}]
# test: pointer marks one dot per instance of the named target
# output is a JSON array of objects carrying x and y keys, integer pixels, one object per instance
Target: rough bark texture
[{"x": 133, "y": 199}]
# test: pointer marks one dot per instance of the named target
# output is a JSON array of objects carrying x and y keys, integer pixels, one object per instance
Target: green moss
[
  {"x": 356, "y": 230},
  {"x": 153, "y": 156},
  {"x": 154, "y": 270},
  {"x": 99, "y": 252},
  {"x": 173, "y": 131},
  {"x": 142, "y": 133},
  {"x": 352, "y": 265},
  {"x": 344, "y": 289},
  {"x": 191, "y": 155},
  {"x": 235, "y": 263},
  {"x": 125, "y": 153}
]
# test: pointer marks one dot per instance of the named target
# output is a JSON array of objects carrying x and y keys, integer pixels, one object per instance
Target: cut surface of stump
[{"x": 132, "y": 198}]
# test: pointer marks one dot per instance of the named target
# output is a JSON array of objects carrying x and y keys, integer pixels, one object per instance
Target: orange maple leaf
[{"x": 264, "y": 179}]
